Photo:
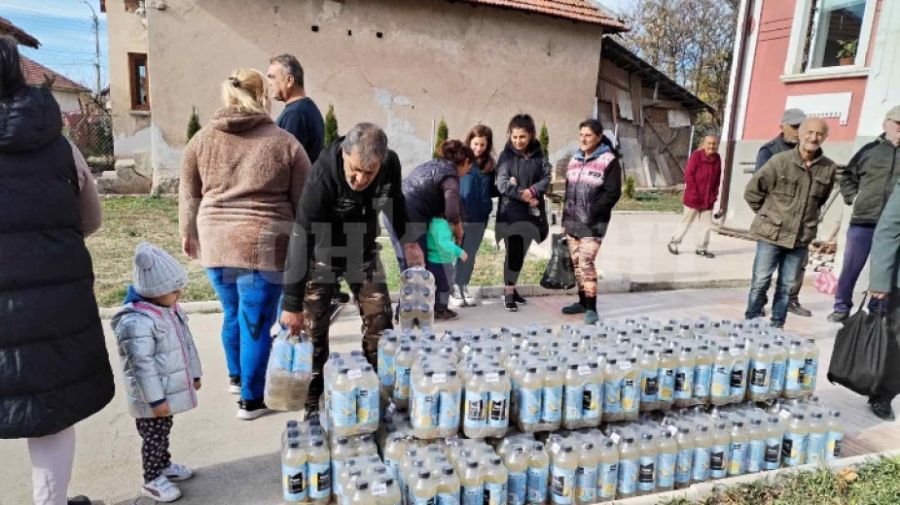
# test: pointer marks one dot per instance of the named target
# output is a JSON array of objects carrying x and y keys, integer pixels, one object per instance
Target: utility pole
[{"x": 96, "y": 44}]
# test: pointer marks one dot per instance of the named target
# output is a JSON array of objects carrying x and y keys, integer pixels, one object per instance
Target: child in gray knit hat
[{"x": 160, "y": 364}]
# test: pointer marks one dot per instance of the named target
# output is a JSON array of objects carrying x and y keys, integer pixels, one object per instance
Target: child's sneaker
[
  {"x": 161, "y": 490},
  {"x": 178, "y": 473}
]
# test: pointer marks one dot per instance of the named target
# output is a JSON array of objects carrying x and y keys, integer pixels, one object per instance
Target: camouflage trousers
[
  {"x": 584, "y": 254},
  {"x": 370, "y": 292}
]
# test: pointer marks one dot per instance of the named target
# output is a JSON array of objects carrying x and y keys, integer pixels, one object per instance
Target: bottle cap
[
  {"x": 362, "y": 485},
  {"x": 739, "y": 424},
  {"x": 424, "y": 474},
  {"x": 629, "y": 440},
  {"x": 294, "y": 443},
  {"x": 646, "y": 436},
  {"x": 471, "y": 463},
  {"x": 834, "y": 413},
  {"x": 496, "y": 460},
  {"x": 447, "y": 470},
  {"x": 684, "y": 431},
  {"x": 318, "y": 442}
]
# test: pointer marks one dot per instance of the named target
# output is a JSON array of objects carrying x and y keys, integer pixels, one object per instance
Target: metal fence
[{"x": 92, "y": 133}]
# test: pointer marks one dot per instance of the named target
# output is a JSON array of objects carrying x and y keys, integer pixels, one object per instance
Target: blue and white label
[
  {"x": 631, "y": 396},
  {"x": 776, "y": 382},
  {"x": 475, "y": 411},
  {"x": 538, "y": 484},
  {"x": 424, "y": 411},
  {"x": 495, "y": 493},
  {"x": 815, "y": 448},
  {"x": 702, "y": 380},
  {"x": 293, "y": 483},
  {"x": 646, "y": 474},
  {"x": 529, "y": 406},
  {"x": 402, "y": 382},
  {"x": 386, "y": 368},
  {"x": 700, "y": 469},
  {"x": 612, "y": 396},
  {"x": 834, "y": 440},
  {"x": 772, "y": 455},
  {"x": 343, "y": 408},
  {"x": 302, "y": 360},
  {"x": 592, "y": 401},
  {"x": 562, "y": 485},
  {"x": 573, "y": 399},
  {"x": 649, "y": 386},
  {"x": 666, "y": 385},
  {"x": 608, "y": 479},
  {"x": 517, "y": 487},
  {"x": 586, "y": 484},
  {"x": 473, "y": 495},
  {"x": 737, "y": 459},
  {"x": 718, "y": 461},
  {"x": 760, "y": 375},
  {"x": 498, "y": 409},
  {"x": 810, "y": 369},
  {"x": 449, "y": 404},
  {"x": 684, "y": 382},
  {"x": 721, "y": 382},
  {"x": 793, "y": 449},
  {"x": 756, "y": 453},
  {"x": 666, "y": 464},
  {"x": 795, "y": 375},
  {"x": 319, "y": 481},
  {"x": 684, "y": 462},
  {"x": 448, "y": 498},
  {"x": 551, "y": 410},
  {"x": 422, "y": 500},
  {"x": 628, "y": 476},
  {"x": 739, "y": 379},
  {"x": 367, "y": 406},
  {"x": 282, "y": 354}
]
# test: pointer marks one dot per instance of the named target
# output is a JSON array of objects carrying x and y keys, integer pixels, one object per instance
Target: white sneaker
[
  {"x": 178, "y": 473},
  {"x": 456, "y": 297},
  {"x": 161, "y": 490},
  {"x": 252, "y": 409},
  {"x": 234, "y": 385},
  {"x": 467, "y": 297}
]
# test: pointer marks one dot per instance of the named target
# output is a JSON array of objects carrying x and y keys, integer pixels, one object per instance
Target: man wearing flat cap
[
  {"x": 867, "y": 185},
  {"x": 786, "y": 141}
]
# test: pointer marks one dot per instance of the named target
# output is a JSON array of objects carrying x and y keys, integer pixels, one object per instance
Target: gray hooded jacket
[{"x": 158, "y": 357}]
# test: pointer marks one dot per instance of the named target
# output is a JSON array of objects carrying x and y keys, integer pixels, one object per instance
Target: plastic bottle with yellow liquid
[{"x": 608, "y": 471}]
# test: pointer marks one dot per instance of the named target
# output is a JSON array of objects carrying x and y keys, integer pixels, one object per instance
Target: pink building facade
[{"x": 835, "y": 59}]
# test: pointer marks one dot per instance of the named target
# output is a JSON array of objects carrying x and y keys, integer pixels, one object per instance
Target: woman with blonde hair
[{"x": 241, "y": 181}]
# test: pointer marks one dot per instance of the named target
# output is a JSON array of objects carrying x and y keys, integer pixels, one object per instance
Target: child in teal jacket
[{"x": 443, "y": 252}]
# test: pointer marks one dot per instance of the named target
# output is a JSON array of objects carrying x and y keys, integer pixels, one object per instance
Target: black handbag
[
  {"x": 560, "y": 271},
  {"x": 860, "y": 352}
]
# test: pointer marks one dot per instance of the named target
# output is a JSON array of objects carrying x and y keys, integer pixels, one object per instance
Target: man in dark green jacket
[
  {"x": 867, "y": 185},
  {"x": 787, "y": 195}
]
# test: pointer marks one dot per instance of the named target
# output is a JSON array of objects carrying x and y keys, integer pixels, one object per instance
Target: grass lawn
[
  {"x": 129, "y": 221},
  {"x": 652, "y": 202},
  {"x": 876, "y": 482}
]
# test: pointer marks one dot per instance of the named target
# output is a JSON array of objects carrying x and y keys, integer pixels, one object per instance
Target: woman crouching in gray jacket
[{"x": 160, "y": 364}]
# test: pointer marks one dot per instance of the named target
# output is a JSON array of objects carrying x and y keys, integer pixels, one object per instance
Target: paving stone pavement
[{"x": 237, "y": 462}]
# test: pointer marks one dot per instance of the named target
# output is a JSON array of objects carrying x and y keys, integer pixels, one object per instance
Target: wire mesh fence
[{"x": 92, "y": 133}]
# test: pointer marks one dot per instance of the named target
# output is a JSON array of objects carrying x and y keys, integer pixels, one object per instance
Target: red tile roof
[
  {"x": 7, "y": 28},
  {"x": 576, "y": 10},
  {"x": 37, "y": 74}
]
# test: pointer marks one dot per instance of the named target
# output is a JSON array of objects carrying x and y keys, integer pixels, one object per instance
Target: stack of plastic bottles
[
  {"x": 351, "y": 402},
  {"x": 289, "y": 373},
  {"x": 305, "y": 464},
  {"x": 416, "y": 299},
  {"x": 436, "y": 395}
]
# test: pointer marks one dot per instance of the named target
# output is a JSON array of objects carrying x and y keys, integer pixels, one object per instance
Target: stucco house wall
[
  {"x": 433, "y": 58},
  {"x": 127, "y": 34},
  {"x": 68, "y": 99}
]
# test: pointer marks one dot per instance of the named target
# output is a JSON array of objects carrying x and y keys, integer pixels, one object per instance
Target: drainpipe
[{"x": 737, "y": 80}]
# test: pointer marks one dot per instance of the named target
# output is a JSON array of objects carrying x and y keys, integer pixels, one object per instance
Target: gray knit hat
[{"x": 156, "y": 272}]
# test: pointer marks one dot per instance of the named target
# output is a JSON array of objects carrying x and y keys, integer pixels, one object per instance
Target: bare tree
[{"x": 689, "y": 40}]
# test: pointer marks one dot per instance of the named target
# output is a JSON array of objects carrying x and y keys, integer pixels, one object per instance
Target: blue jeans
[
  {"x": 472, "y": 237},
  {"x": 250, "y": 302},
  {"x": 769, "y": 259},
  {"x": 859, "y": 245}
]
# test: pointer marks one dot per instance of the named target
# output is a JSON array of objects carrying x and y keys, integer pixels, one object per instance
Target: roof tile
[
  {"x": 576, "y": 10},
  {"x": 37, "y": 74}
]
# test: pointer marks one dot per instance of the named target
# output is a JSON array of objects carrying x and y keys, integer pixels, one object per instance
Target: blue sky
[{"x": 65, "y": 30}]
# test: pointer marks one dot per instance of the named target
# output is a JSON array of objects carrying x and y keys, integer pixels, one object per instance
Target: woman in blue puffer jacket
[{"x": 476, "y": 190}]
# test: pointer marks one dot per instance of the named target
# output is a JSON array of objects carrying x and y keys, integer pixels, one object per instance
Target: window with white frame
[{"x": 835, "y": 32}]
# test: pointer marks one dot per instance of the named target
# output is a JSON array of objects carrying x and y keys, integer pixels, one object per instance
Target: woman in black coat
[
  {"x": 523, "y": 177},
  {"x": 54, "y": 371}
]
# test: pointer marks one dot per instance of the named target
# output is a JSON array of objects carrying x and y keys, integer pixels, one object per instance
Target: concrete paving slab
[{"x": 237, "y": 462}]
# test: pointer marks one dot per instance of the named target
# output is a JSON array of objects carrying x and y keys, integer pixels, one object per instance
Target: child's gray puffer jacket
[{"x": 158, "y": 356}]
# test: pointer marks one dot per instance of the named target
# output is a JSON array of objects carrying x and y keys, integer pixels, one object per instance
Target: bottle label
[
  {"x": 666, "y": 384},
  {"x": 402, "y": 383},
  {"x": 721, "y": 381},
  {"x": 759, "y": 377},
  {"x": 612, "y": 396},
  {"x": 833, "y": 442},
  {"x": 684, "y": 462},
  {"x": 584, "y": 370},
  {"x": 700, "y": 470},
  {"x": 421, "y": 500},
  {"x": 737, "y": 458},
  {"x": 551, "y": 410},
  {"x": 738, "y": 386},
  {"x": 772, "y": 457},
  {"x": 394, "y": 467},
  {"x": 684, "y": 378},
  {"x": 538, "y": 480},
  {"x": 574, "y": 398},
  {"x": 756, "y": 452},
  {"x": 792, "y": 449},
  {"x": 424, "y": 411},
  {"x": 473, "y": 495},
  {"x": 667, "y": 463},
  {"x": 294, "y": 483},
  {"x": 794, "y": 377},
  {"x": 495, "y": 493},
  {"x": 302, "y": 361},
  {"x": 319, "y": 481},
  {"x": 646, "y": 474},
  {"x": 448, "y": 499},
  {"x": 628, "y": 476},
  {"x": 776, "y": 382},
  {"x": 586, "y": 484},
  {"x": 367, "y": 406},
  {"x": 283, "y": 353},
  {"x": 475, "y": 412},
  {"x": 649, "y": 385},
  {"x": 439, "y": 378},
  {"x": 529, "y": 406},
  {"x": 492, "y": 378},
  {"x": 562, "y": 484},
  {"x": 810, "y": 369},
  {"x": 498, "y": 414},
  {"x": 630, "y": 395},
  {"x": 815, "y": 448},
  {"x": 354, "y": 374},
  {"x": 718, "y": 460},
  {"x": 592, "y": 401},
  {"x": 702, "y": 377},
  {"x": 517, "y": 488},
  {"x": 379, "y": 489},
  {"x": 609, "y": 476},
  {"x": 448, "y": 419},
  {"x": 343, "y": 408}
]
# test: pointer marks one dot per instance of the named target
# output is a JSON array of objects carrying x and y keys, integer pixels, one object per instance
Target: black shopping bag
[
  {"x": 860, "y": 352},
  {"x": 560, "y": 271}
]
